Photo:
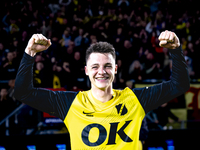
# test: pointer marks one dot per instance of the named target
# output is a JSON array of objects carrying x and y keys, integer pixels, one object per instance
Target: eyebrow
[
  {"x": 96, "y": 64},
  {"x": 108, "y": 63}
]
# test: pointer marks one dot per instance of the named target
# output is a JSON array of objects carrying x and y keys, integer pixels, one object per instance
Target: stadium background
[{"x": 132, "y": 26}]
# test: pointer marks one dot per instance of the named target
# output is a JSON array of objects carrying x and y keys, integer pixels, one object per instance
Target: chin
[{"x": 102, "y": 86}]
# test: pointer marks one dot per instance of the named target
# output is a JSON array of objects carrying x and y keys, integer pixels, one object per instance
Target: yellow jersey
[{"x": 111, "y": 125}]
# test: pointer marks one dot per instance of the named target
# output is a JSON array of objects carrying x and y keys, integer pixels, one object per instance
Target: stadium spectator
[
  {"x": 190, "y": 50},
  {"x": 65, "y": 38},
  {"x": 2, "y": 53},
  {"x": 141, "y": 54},
  {"x": 80, "y": 39},
  {"x": 67, "y": 75},
  {"x": 189, "y": 64},
  {"x": 136, "y": 71},
  {"x": 77, "y": 67},
  {"x": 127, "y": 54},
  {"x": 65, "y": 3},
  {"x": 119, "y": 81},
  {"x": 39, "y": 75},
  {"x": 11, "y": 85},
  {"x": 57, "y": 79},
  {"x": 8, "y": 67},
  {"x": 6, "y": 103},
  {"x": 143, "y": 36},
  {"x": 67, "y": 54},
  {"x": 166, "y": 65},
  {"x": 118, "y": 37},
  {"x": 152, "y": 67},
  {"x": 54, "y": 7}
]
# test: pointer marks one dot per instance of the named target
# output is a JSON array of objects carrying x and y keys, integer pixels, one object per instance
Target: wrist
[
  {"x": 30, "y": 52},
  {"x": 177, "y": 46}
]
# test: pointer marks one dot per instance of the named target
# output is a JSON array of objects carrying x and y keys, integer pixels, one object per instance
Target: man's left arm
[{"x": 153, "y": 96}]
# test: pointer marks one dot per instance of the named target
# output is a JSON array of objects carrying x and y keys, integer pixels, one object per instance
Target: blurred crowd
[{"x": 131, "y": 26}]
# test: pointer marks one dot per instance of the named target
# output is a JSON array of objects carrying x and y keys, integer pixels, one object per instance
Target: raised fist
[
  {"x": 169, "y": 40},
  {"x": 37, "y": 43}
]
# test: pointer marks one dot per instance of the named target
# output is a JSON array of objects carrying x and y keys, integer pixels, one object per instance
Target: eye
[
  {"x": 108, "y": 66},
  {"x": 94, "y": 67}
]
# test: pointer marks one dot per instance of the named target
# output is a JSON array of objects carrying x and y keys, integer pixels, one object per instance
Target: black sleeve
[
  {"x": 56, "y": 103},
  {"x": 153, "y": 96}
]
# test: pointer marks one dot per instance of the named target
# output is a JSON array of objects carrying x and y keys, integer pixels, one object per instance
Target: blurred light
[
  {"x": 61, "y": 146},
  {"x": 31, "y": 147},
  {"x": 151, "y": 148},
  {"x": 170, "y": 144},
  {"x": 154, "y": 148},
  {"x": 2, "y": 148},
  {"x": 170, "y": 148}
]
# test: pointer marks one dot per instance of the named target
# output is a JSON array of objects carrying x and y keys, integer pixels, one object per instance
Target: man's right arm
[
  {"x": 55, "y": 103},
  {"x": 24, "y": 90}
]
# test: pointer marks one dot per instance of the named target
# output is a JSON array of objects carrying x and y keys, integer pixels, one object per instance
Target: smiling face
[{"x": 101, "y": 69}]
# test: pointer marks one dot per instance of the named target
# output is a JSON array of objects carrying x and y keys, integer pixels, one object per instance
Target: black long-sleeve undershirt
[{"x": 57, "y": 103}]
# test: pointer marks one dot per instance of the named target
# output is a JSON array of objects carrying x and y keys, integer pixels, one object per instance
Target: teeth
[{"x": 101, "y": 78}]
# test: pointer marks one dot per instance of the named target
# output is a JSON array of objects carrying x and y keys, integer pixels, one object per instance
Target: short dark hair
[{"x": 100, "y": 47}]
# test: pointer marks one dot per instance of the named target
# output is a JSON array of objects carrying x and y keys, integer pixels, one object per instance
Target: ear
[
  {"x": 116, "y": 69},
  {"x": 86, "y": 70}
]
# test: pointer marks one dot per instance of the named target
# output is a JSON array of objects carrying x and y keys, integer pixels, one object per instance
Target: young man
[{"x": 101, "y": 118}]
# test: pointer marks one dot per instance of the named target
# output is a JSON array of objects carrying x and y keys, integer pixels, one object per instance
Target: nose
[{"x": 101, "y": 70}]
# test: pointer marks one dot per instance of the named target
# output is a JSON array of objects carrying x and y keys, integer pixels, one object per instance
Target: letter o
[{"x": 102, "y": 134}]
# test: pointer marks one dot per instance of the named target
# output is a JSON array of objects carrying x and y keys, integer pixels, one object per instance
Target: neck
[{"x": 102, "y": 95}]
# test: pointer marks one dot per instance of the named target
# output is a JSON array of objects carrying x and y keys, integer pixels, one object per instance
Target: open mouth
[{"x": 102, "y": 78}]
